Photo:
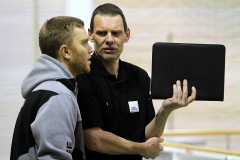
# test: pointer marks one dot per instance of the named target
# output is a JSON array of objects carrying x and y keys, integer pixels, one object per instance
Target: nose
[{"x": 109, "y": 39}]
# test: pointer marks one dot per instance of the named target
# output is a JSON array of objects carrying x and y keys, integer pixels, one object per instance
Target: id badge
[{"x": 133, "y": 106}]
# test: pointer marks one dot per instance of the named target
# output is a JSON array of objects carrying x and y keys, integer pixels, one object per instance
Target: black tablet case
[{"x": 203, "y": 65}]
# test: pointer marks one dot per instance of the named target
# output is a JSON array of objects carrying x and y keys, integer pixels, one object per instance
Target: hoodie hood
[{"x": 46, "y": 68}]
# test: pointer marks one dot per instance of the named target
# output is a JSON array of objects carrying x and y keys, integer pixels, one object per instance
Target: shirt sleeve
[{"x": 53, "y": 128}]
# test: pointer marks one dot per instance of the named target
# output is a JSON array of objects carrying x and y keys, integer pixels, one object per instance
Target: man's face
[
  {"x": 109, "y": 37},
  {"x": 80, "y": 49}
]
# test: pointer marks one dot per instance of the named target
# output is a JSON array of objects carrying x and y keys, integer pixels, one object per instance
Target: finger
[
  {"x": 175, "y": 91},
  {"x": 160, "y": 140},
  {"x": 185, "y": 91},
  {"x": 179, "y": 90},
  {"x": 193, "y": 95},
  {"x": 161, "y": 148}
]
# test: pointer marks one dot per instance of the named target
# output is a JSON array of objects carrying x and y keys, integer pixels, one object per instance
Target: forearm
[
  {"x": 105, "y": 142},
  {"x": 180, "y": 99},
  {"x": 108, "y": 143},
  {"x": 156, "y": 127}
]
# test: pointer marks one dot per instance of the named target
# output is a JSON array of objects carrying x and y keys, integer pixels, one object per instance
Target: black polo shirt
[{"x": 121, "y": 106}]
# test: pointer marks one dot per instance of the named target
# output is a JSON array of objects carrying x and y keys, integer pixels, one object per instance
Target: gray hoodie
[{"x": 49, "y": 123}]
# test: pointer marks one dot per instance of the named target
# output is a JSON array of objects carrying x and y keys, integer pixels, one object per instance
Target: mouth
[
  {"x": 109, "y": 49},
  {"x": 89, "y": 60}
]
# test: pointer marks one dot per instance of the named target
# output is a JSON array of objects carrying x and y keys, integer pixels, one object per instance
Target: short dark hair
[
  {"x": 108, "y": 9},
  {"x": 56, "y": 32}
]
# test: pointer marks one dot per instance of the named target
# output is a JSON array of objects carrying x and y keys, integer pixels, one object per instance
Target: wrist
[
  {"x": 165, "y": 110},
  {"x": 139, "y": 148}
]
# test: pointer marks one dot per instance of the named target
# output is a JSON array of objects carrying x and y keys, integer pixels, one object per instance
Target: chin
[
  {"x": 110, "y": 58},
  {"x": 87, "y": 70}
]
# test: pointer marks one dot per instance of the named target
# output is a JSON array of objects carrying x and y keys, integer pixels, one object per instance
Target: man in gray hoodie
[{"x": 49, "y": 125}]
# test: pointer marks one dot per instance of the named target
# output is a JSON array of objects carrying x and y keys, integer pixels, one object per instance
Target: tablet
[{"x": 203, "y": 65}]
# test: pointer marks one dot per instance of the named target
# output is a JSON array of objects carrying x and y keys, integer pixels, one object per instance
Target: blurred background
[{"x": 181, "y": 21}]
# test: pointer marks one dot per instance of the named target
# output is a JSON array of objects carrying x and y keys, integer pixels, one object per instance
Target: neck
[{"x": 112, "y": 67}]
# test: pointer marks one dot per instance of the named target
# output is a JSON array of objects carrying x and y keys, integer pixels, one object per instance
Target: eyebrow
[
  {"x": 85, "y": 40},
  {"x": 97, "y": 31},
  {"x": 115, "y": 30}
]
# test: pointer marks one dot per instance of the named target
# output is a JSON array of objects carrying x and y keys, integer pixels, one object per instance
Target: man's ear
[
  {"x": 64, "y": 51},
  {"x": 90, "y": 35},
  {"x": 127, "y": 35}
]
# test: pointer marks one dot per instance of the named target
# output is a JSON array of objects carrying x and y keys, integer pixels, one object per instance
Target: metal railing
[
  {"x": 180, "y": 151},
  {"x": 227, "y": 134}
]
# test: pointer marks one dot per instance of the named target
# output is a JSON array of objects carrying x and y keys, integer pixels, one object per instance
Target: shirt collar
[{"x": 122, "y": 76}]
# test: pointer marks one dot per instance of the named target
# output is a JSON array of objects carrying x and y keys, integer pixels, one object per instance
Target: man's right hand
[{"x": 152, "y": 148}]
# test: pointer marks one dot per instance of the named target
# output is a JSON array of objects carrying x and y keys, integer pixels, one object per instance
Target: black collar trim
[{"x": 69, "y": 83}]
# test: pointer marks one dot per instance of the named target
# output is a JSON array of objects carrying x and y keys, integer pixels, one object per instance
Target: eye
[
  {"x": 101, "y": 33},
  {"x": 85, "y": 42},
  {"x": 116, "y": 33}
]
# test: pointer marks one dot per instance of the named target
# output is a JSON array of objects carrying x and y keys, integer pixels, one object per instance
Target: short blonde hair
[{"x": 57, "y": 31}]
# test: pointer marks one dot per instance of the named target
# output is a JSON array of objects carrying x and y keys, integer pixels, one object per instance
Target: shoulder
[
  {"x": 131, "y": 68},
  {"x": 54, "y": 86},
  {"x": 64, "y": 100}
]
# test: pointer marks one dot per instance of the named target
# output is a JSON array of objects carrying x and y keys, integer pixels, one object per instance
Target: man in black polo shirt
[{"x": 119, "y": 120}]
